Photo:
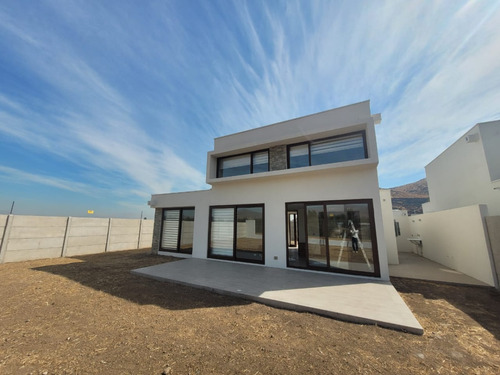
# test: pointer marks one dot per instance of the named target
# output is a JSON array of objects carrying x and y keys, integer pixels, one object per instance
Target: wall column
[
  {"x": 66, "y": 235},
  {"x": 5, "y": 237},
  {"x": 108, "y": 237},
  {"x": 140, "y": 234}
]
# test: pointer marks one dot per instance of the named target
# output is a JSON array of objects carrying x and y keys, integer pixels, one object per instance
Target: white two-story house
[{"x": 301, "y": 194}]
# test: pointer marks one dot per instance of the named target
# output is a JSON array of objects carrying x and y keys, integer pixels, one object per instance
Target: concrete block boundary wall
[{"x": 36, "y": 237}]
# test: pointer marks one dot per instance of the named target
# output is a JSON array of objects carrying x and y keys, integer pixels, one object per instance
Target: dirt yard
[{"x": 90, "y": 315}]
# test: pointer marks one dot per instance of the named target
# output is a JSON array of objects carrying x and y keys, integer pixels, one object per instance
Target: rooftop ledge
[{"x": 351, "y": 165}]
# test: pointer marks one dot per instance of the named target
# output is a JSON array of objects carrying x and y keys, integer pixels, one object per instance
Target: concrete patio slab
[
  {"x": 351, "y": 299},
  {"x": 413, "y": 266}
]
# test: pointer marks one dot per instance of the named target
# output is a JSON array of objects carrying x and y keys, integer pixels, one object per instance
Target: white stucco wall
[
  {"x": 353, "y": 179},
  {"x": 460, "y": 176},
  {"x": 490, "y": 137},
  {"x": 493, "y": 226},
  {"x": 352, "y": 118},
  {"x": 389, "y": 232},
  {"x": 403, "y": 245},
  {"x": 341, "y": 184},
  {"x": 317, "y": 125},
  {"x": 457, "y": 239}
]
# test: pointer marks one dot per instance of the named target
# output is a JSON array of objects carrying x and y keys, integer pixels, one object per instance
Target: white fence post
[
  {"x": 66, "y": 235},
  {"x": 5, "y": 237},
  {"x": 108, "y": 238},
  {"x": 140, "y": 234}
]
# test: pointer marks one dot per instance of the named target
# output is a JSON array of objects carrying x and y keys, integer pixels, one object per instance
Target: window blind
[
  {"x": 236, "y": 161},
  {"x": 222, "y": 231},
  {"x": 170, "y": 229},
  {"x": 300, "y": 150},
  {"x": 260, "y": 158},
  {"x": 336, "y": 145}
]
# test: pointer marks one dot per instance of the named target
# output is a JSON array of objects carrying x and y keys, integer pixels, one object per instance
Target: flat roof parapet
[{"x": 298, "y": 128}]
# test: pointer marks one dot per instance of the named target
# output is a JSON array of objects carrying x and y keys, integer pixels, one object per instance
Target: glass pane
[
  {"x": 170, "y": 232},
  {"x": 249, "y": 233},
  {"x": 221, "y": 232},
  {"x": 350, "y": 237},
  {"x": 234, "y": 166},
  {"x": 187, "y": 229},
  {"x": 260, "y": 162},
  {"x": 337, "y": 150},
  {"x": 316, "y": 243},
  {"x": 297, "y": 246},
  {"x": 299, "y": 156},
  {"x": 292, "y": 229},
  {"x": 338, "y": 236}
]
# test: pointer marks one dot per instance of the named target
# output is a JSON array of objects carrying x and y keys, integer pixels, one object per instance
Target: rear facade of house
[{"x": 299, "y": 194}]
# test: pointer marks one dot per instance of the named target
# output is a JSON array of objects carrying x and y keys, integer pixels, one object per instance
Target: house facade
[
  {"x": 298, "y": 194},
  {"x": 467, "y": 172}
]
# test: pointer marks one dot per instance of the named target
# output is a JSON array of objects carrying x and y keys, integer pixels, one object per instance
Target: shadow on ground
[
  {"x": 482, "y": 304},
  {"x": 110, "y": 273}
]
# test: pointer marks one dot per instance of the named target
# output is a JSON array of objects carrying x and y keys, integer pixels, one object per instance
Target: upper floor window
[
  {"x": 238, "y": 165},
  {"x": 298, "y": 156},
  {"x": 330, "y": 150}
]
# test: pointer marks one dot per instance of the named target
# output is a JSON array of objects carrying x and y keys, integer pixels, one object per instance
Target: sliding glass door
[
  {"x": 237, "y": 233},
  {"x": 336, "y": 236},
  {"x": 177, "y": 230}
]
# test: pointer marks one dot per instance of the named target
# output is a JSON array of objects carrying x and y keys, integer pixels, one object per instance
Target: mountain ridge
[
  {"x": 417, "y": 189},
  {"x": 410, "y": 197}
]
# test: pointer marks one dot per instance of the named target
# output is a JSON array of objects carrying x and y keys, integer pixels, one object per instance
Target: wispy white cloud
[
  {"x": 17, "y": 175},
  {"x": 431, "y": 68},
  {"x": 132, "y": 98},
  {"x": 457, "y": 90},
  {"x": 99, "y": 129}
]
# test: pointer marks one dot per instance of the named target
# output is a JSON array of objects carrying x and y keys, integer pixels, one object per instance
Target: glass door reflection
[{"x": 316, "y": 242}]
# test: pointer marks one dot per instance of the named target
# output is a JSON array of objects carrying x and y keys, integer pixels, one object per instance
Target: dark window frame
[
  {"x": 251, "y": 154},
  {"x": 311, "y": 142},
  {"x": 235, "y": 232},
  {"x": 179, "y": 231},
  {"x": 330, "y": 269}
]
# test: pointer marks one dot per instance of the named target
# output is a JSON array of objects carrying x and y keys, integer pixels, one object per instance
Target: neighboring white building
[
  {"x": 467, "y": 172},
  {"x": 291, "y": 194},
  {"x": 460, "y": 223}
]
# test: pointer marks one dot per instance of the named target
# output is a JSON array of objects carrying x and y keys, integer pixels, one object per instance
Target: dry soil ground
[{"x": 90, "y": 315}]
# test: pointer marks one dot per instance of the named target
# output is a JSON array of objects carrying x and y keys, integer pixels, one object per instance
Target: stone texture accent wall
[
  {"x": 277, "y": 158},
  {"x": 157, "y": 231}
]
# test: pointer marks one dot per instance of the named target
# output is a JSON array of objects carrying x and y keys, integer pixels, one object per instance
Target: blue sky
[{"x": 103, "y": 103}]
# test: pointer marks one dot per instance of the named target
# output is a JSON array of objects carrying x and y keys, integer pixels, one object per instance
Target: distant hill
[{"x": 410, "y": 196}]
